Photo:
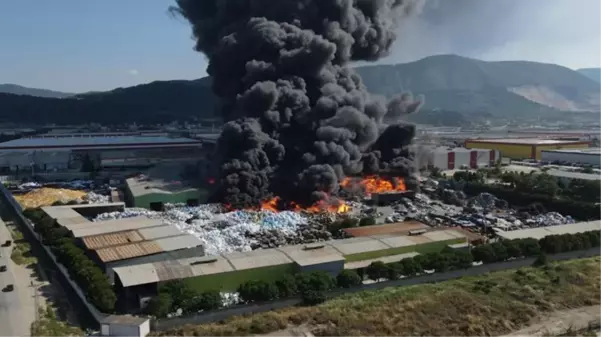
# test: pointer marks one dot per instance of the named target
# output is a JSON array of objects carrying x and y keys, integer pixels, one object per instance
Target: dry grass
[
  {"x": 50, "y": 325},
  {"x": 21, "y": 253},
  {"x": 492, "y": 304}
]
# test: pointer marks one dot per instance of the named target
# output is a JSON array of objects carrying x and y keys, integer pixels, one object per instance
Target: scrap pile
[
  {"x": 47, "y": 196},
  {"x": 241, "y": 230}
]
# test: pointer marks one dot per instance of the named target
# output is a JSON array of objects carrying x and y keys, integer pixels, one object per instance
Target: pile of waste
[
  {"x": 225, "y": 232},
  {"x": 47, "y": 196}
]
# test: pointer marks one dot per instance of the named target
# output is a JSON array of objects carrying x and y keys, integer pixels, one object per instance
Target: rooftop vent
[
  {"x": 313, "y": 247},
  {"x": 211, "y": 260}
]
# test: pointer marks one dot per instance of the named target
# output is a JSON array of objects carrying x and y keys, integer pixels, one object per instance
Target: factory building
[
  {"x": 153, "y": 193},
  {"x": 128, "y": 241},
  {"x": 588, "y": 157},
  {"x": 136, "y": 284},
  {"x": 64, "y": 152},
  {"x": 524, "y": 148},
  {"x": 456, "y": 158}
]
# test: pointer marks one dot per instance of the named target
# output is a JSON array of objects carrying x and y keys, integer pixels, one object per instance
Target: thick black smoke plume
[{"x": 300, "y": 119}]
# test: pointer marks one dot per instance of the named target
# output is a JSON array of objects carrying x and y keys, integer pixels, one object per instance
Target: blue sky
[
  {"x": 81, "y": 45},
  {"x": 84, "y": 45}
]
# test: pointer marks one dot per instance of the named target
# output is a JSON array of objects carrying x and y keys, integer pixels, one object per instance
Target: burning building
[{"x": 300, "y": 120}]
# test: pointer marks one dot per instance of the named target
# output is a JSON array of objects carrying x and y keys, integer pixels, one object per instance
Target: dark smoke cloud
[{"x": 300, "y": 120}]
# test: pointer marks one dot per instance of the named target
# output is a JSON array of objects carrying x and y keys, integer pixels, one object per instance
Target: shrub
[
  {"x": 160, "y": 305},
  {"x": 314, "y": 297},
  {"x": 348, "y": 279},
  {"x": 541, "y": 260},
  {"x": 286, "y": 287},
  {"x": 410, "y": 266},
  {"x": 258, "y": 291},
  {"x": 179, "y": 291},
  {"x": 376, "y": 271},
  {"x": 209, "y": 300},
  {"x": 314, "y": 281}
]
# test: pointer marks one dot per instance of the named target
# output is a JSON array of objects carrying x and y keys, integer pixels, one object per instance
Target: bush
[
  {"x": 314, "y": 297},
  {"x": 314, "y": 281},
  {"x": 393, "y": 271},
  {"x": 541, "y": 260},
  {"x": 258, "y": 291},
  {"x": 160, "y": 305},
  {"x": 376, "y": 271},
  {"x": 209, "y": 300},
  {"x": 348, "y": 279},
  {"x": 286, "y": 287},
  {"x": 410, "y": 266},
  {"x": 179, "y": 291}
]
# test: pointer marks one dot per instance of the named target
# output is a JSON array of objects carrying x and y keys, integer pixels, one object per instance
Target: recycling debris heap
[{"x": 47, "y": 196}]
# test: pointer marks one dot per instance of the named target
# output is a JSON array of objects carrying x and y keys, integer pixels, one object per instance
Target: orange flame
[
  {"x": 375, "y": 184},
  {"x": 338, "y": 206}
]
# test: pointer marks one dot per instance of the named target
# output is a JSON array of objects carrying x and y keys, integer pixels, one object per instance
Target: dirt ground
[{"x": 560, "y": 321}]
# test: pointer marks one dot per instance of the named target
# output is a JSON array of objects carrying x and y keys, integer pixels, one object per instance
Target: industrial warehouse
[
  {"x": 524, "y": 148},
  {"x": 64, "y": 152},
  {"x": 589, "y": 157},
  {"x": 455, "y": 158},
  {"x": 123, "y": 242},
  {"x": 226, "y": 272}
]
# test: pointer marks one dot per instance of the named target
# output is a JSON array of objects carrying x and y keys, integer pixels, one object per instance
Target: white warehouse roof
[{"x": 541, "y": 232}]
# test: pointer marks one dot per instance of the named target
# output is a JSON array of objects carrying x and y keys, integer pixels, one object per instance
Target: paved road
[{"x": 11, "y": 305}]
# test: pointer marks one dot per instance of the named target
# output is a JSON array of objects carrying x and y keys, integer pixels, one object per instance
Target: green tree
[
  {"x": 258, "y": 291},
  {"x": 410, "y": 266},
  {"x": 500, "y": 251},
  {"x": 314, "y": 281},
  {"x": 484, "y": 253},
  {"x": 513, "y": 248},
  {"x": 286, "y": 286},
  {"x": 207, "y": 301},
  {"x": 348, "y": 279},
  {"x": 393, "y": 271},
  {"x": 160, "y": 305},
  {"x": 541, "y": 260},
  {"x": 179, "y": 290},
  {"x": 376, "y": 271}
]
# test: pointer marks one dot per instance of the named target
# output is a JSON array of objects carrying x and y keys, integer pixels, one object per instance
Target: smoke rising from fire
[{"x": 299, "y": 119}]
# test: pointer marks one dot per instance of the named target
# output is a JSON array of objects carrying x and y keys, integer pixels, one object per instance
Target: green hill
[
  {"x": 450, "y": 83},
  {"x": 467, "y": 85}
]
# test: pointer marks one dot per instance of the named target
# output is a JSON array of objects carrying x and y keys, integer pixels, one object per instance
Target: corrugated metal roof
[
  {"x": 332, "y": 251},
  {"x": 111, "y": 226},
  {"x": 128, "y": 251},
  {"x": 152, "y": 233},
  {"x": 95, "y": 141},
  {"x": 358, "y": 245},
  {"x": 541, "y": 232},
  {"x": 257, "y": 259},
  {"x": 306, "y": 255},
  {"x": 525, "y": 141},
  {"x": 111, "y": 239},
  {"x": 181, "y": 241}
]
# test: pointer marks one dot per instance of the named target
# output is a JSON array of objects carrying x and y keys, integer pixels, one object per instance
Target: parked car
[
  {"x": 9, "y": 288},
  {"x": 2, "y": 269},
  {"x": 7, "y": 243}
]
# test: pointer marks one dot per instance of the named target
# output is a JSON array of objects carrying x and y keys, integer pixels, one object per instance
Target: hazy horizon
[{"x": 72, "y": 46}]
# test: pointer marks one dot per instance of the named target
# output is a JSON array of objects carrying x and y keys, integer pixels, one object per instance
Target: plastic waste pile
[
  {"x": 220, "y": 233},
  {"x": 95, "y": 198},
  {"x": 549, "y": 219},
  {"x": 487, "y": 202}
]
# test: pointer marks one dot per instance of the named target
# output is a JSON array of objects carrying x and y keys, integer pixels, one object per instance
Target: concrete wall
[
  {"x": 332, "y": 268},
  {"x": 218, "y": 315}
]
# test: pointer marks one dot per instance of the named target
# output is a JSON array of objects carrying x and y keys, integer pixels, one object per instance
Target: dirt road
[{"x": 560, "y": 321}]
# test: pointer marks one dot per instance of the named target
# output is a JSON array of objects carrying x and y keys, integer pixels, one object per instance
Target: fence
[
  {"x": 90, "y": 316},
  {"x": 219, "y": 315}
]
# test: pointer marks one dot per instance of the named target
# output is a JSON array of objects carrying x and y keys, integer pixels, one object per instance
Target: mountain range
[
  {"x": 450, "y": 83},
  {"x": 592, "y": 73}
]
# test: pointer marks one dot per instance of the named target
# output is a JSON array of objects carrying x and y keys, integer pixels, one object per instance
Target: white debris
[
  {"x": 95, "y": 198},
  {"x": 219, "y": 232},
  {"x": 230, "y": 299}
]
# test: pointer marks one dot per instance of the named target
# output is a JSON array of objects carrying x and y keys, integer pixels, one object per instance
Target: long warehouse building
[
  {"x": 590, "y": 156},
  {"x": 524, "y": 148},
  {"x": 62, "y": 152}
]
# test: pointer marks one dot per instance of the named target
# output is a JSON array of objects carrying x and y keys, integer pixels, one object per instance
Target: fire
[
  {"x": 376, "y": 184},
  {"x": 337, "y": 206}
]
